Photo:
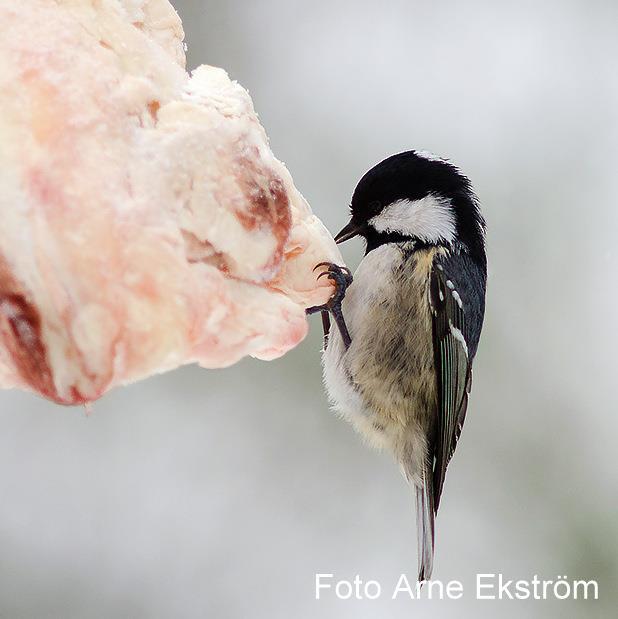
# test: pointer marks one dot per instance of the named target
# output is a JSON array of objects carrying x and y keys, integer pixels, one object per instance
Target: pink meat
[{"x": 145, "y": 223}]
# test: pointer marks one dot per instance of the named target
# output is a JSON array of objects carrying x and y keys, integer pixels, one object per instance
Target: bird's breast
[{"x": 385, "y": 382}]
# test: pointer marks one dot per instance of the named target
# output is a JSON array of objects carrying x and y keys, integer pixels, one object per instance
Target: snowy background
[{"x": 221, "y": 493}]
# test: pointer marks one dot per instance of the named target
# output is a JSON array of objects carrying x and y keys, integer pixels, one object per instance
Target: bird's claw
[{"x": 342, "y": 277}]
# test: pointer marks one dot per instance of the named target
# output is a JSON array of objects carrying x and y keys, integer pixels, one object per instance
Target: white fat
[
  {"x": 458, "y": 335},
  {"x": 24, "y": 330},
  {"x": 450, "y": 284},
  {"x": 430, "y": 219}
]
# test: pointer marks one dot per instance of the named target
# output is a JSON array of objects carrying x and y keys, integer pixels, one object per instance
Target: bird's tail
[{"x": 425, "y": 518}]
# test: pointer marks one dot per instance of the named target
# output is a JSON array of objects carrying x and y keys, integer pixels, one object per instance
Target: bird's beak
[{"x": 349, "y": 232}]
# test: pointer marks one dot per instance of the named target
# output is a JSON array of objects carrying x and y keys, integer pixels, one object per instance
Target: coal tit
[{"x": 399, "y": 365}]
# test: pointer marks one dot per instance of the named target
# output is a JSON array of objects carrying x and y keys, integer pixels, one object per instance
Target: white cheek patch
[{"x": 430, "y": 219}]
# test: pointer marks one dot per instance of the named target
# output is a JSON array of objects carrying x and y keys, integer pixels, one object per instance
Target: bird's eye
[{"x": 374, "y": 206}]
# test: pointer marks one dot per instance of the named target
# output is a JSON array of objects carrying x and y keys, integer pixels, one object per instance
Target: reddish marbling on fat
[{"x": 145, "y": 222}]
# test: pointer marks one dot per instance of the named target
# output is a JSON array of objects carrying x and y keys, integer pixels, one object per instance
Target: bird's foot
[{"x": 342, "y": 278}]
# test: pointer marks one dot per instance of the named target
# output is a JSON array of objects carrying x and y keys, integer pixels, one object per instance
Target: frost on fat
[{"x": 146, "y": 223}]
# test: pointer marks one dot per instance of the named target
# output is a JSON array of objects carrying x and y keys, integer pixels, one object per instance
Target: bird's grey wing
[{"x": 457, "y": 299}]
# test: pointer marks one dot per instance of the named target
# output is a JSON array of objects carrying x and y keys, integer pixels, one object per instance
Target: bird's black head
[{"x": 416, "y": 196}]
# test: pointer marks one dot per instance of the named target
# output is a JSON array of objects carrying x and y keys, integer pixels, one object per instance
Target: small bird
[{"x": 399, "y": 366}]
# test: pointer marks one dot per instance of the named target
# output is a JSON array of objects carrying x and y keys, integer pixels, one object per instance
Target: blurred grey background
[{"x": 221, "y": 493}]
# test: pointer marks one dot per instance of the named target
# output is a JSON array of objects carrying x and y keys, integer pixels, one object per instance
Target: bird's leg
[
  {"x": 342, "y": 278},
  {"x": 325, "y": 327}
]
